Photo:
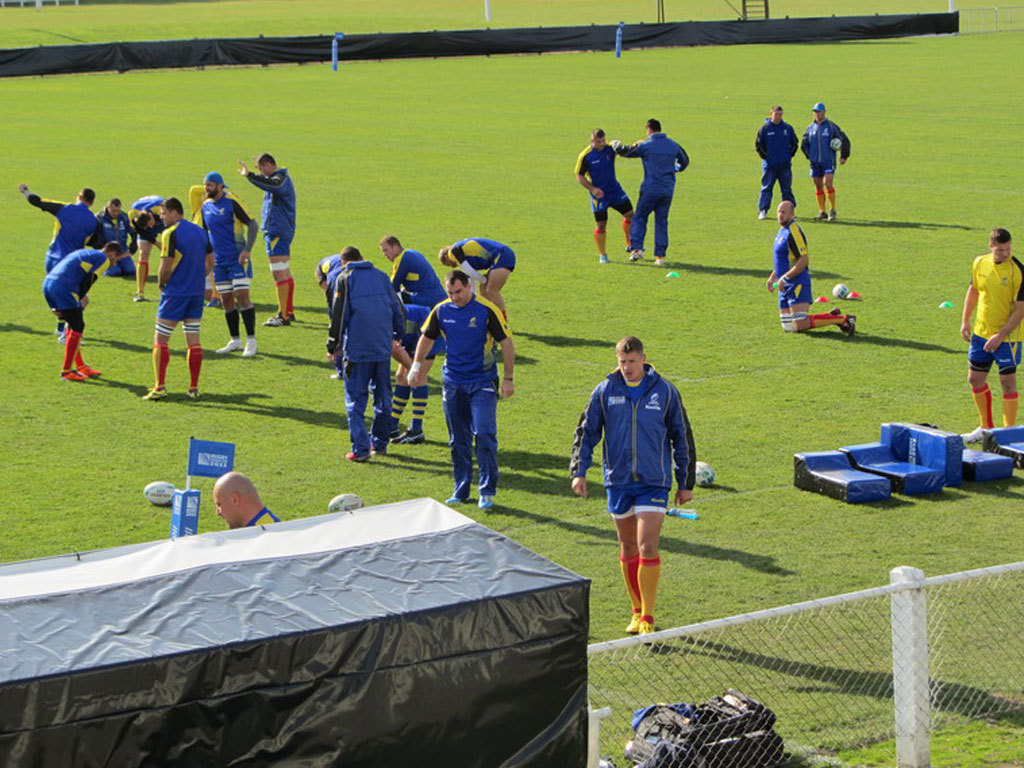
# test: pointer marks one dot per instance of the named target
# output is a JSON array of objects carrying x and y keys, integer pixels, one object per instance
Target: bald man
[{"x": 239, "y": 503}]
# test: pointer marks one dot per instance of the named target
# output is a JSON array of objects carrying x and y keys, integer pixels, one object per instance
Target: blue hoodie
[
  {"x": 644, "y": 439},
  {"x": 366, "y": 315},
  {"x": 776, "y": 143}
]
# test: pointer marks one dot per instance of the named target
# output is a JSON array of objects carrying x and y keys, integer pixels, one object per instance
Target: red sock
[
  {"x": 983, "y": 402},
  {"x": 71, "y": 342},
  {"x": 820, "y": 194},
  {"x": 162, "y": 356},
  {"x": 627, "y": 222},
  {"x": 79, "y": 362},
  {"x": 819, "y": 319},
  {"x": 632, "y": 567},
  {"x": 195, "y": 363},
  {"x": 290, "y": 310}
]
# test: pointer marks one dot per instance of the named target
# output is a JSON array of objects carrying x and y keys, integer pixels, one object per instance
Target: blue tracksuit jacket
[
  {"x": 776, "y": 144},
  {"x": 815, "y": 143},
  {"x": 366, "y": 315},
  {"x": 660, "y": 156},
  {"x": 644, "y": 441}
]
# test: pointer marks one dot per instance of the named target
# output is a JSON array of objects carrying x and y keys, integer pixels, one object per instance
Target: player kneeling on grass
[
  {"x": 647, "y": 437},
  {"x": 65, "y": 289},
  {"x": 997, "y": 291},
  {"x": 186, "y": 260},
  {"x": 793, "y": 279}
]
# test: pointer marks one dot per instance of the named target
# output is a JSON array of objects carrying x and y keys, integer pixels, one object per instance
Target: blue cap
[
  {"x": 819, "y": 107},
  {"x": 215, "y": 177}
]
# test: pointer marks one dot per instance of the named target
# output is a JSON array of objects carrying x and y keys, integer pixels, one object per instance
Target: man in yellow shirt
[{"x": 997, "y": 292}]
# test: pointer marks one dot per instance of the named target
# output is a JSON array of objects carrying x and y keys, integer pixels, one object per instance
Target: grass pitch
[{"x": 437, "y": 150}]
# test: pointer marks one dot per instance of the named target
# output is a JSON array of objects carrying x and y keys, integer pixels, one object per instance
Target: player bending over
[
  {"x": 793, "y": 279},
  {"x": 595, "y": 171},
  {"x": 487, "y": 262}
]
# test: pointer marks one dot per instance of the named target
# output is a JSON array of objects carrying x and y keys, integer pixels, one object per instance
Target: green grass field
[
  {"x": 441, "y": 149},
  {"x": 100, "y": 21}
]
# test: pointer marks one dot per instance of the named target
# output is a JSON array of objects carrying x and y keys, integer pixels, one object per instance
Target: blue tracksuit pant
[
  {"x": 124, "y": 268},
  {"x": 659, "y": 204},
  {"x": 769, "y": 175},
  {"x": 471, "y": 410},
  {"x": 360, "y": 380}
]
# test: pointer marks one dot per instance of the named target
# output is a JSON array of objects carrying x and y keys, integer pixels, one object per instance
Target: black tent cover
[
  {"x": 66, "y": 59},
  {"x": 398, "y": 635}
]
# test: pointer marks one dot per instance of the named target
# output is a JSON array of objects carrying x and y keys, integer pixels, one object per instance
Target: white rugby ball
[
  {"x": 836, "y": 143},
  {"x": 345, "y": 502},
  {"x": 840, "y": 291},
  {"x": 705, "y": 475},
  {"x": 160, "y": 493}
]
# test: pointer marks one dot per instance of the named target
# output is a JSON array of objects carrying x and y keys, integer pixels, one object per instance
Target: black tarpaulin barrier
[
  {"x": 400, "y": 635},
  {"x": 68, "y": 59}
]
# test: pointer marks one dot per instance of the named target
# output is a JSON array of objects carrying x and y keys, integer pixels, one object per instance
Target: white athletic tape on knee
[
  {"x": 223, "y": 288},
  {"x": 164, "y": 330},
  {"x": 209, "y": 282},
  {"x": 191, "y": 327},
  {"x": 280, "y": 266},
  {"x": 239, "y": 284}
]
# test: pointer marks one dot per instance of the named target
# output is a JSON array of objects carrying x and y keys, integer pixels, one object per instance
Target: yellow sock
[
  {"x": 629, "y": 575},
  {"x": 1009, "y": 410},
  {"x": 282, "y": 298},
  {"x": 983, "y": 402},
  {"x": 647, "y": 575},
  {"x": 819, "y": 194},
  {"x": 141, "y": 275},
  {"x": 831, "y": 198}
]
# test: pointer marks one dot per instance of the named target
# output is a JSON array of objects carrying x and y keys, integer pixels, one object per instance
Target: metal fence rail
[
  {"x": 1002, "y": 19},
  {"x": 840, "y": 672}
]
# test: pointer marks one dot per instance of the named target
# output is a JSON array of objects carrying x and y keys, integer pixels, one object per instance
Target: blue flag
[{"x": 208, "y": 458}]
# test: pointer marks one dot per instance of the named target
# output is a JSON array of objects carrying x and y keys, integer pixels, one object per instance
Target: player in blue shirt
[
  {"x": 278, "y": 230},
  {"x": 412, "y": 276},
  {"x": 75, "y": 227},
  {"x": 238, "y": 502},
  {"x": 470, "y": 326},
  {"x": 65, "y": 289},
  {"x": 793, "y": 279},
  {"x": 415, "y": 316},
  {"x": 595, "y": 171},
  {"x": 487, "y": 263},
  {"x": 662, "y": 159},
  {"x": 186, "y": 258},
  {"x": 118, "y": 227},
  {"x": 231, "y": 273},
  {"x": 145, "y": 217}
]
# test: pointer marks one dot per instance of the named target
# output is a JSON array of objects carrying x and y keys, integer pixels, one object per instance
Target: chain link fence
[
  {"x": 1004, "y": 19},
  {"x": 839, "y": 673}
]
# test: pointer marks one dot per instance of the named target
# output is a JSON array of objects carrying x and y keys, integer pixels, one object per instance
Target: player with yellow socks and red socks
[
  {"x": 647, "y": 441},
  {"x": 997, "y": 293}
]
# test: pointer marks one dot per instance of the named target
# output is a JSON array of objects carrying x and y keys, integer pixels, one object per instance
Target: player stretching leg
[{"x": 595, "y": 171}]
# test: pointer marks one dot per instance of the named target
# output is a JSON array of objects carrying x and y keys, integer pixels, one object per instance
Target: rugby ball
[
  {"x": 840, "y": 291},
  {"x": 160, "y": 493},
  {"x": 345, "y": 502},
  {"x": 705, "y": 474},
  {"x": 836, "y": 144}
]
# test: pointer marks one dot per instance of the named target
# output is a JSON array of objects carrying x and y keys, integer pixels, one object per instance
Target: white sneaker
[
  {"x": 636, "y": 255},
  {"x": 232, "y": 346},
  {"x": 659, "y": 261},
  {"x": 250, "y": 347},
  {"x": 975, "y": 436},
  {"x": 762, "y": 215}
]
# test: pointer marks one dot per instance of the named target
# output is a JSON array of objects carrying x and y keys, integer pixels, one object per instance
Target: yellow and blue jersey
[
  {"x": 483, "y": 254},
  {"x": 469, "y": 332},
  {"x": 790, "y": 244},
  {"x": 226, "y": 220},
  {"x": 187, "y": 245},
  {"x": 153, "y": 204},
  {"x": 411, "y": 272},
  {"x": 75, "y": 225},
  {"x": 598, "y": 165},
  {"x": 263, "y": 517},
  {"x": 278, "y": 203},
  {"x": 70, "y": 272},
  {"x": 998, "y": 287}
]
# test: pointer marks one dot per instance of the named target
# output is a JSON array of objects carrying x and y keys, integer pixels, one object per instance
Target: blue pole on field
[
  {"x": 334, "y": 50},
  {"x": 618, "y": 40}
]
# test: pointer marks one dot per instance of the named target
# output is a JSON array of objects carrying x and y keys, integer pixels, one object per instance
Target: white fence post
[
  {"x": 909, "y": 614},
  {"x": 594, "y": 735}
]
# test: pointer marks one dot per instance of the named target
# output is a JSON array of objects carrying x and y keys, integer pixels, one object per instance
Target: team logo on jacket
[
  {"x": 472, "y": 322},
  {"x": 653, "y": 404},
  {"x": 617, "y": 400}
]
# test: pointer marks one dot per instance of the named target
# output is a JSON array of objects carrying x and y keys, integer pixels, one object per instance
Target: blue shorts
[
  {"x": 822, "y": 169},
  {"x": 1006, "y": 356},
  {"x": 179, "y": 308},
  {"x": 506, "y": 260},
  {"x": 626, "y": 500},
  {"x": 613, "y": 198},
  {"x": 278, "y": 246},
  {"x": 228, "y": 277},
  {"x": 59, "y": 298},
  {"x": 439, "y": 348},
  {"x": 797, "y": 292}
]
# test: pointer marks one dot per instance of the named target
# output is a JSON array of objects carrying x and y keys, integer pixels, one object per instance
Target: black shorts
[{"x": 625, "y": 208}]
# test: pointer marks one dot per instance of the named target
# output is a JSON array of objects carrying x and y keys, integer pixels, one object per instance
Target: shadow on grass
[
  {"x": 247, "y": 402},
  {"x": 887, "y": 341},
  {"x": 1009, "y": 488},
  {"x": 762, "y": 274},
  {"x": 565, "y": 341},
  {"x": 894, "y": 224},
  {"x": 955, "y": 698},
  {"x": 15, "y": 328}
]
